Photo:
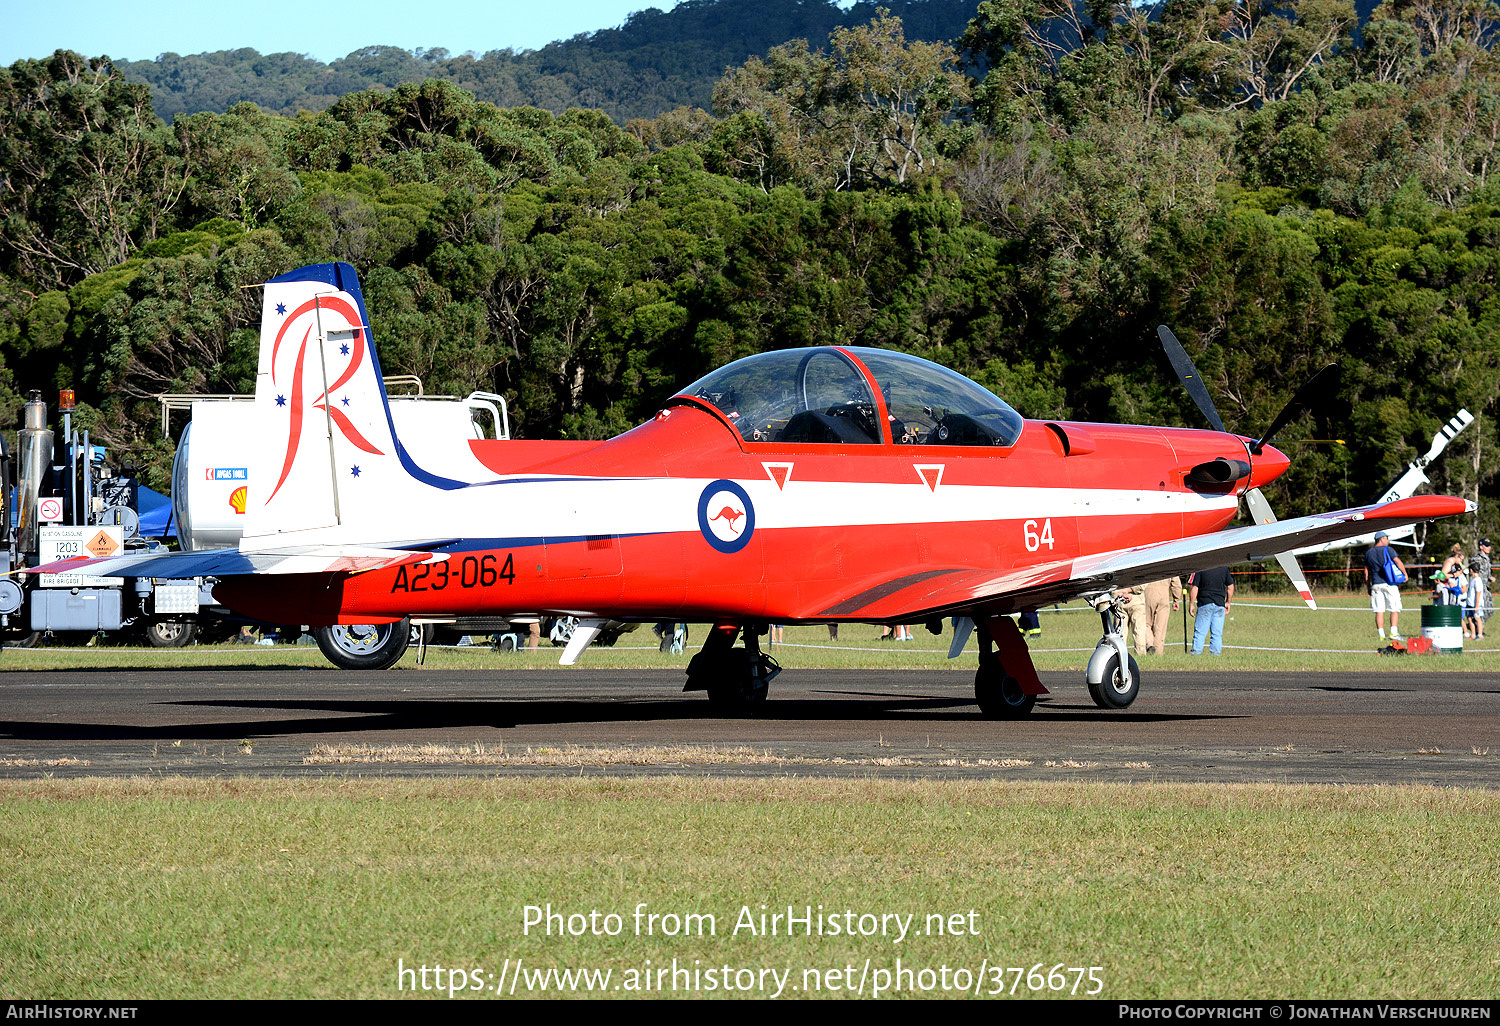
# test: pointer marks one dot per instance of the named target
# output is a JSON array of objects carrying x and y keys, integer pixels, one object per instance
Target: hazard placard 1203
[{"x": 55, "y": 543}]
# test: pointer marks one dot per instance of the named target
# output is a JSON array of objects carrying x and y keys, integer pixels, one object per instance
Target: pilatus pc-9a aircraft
[{"x": 799, "y": 486}]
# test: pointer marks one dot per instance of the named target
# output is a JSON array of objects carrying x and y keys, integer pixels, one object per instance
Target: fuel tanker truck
[{"x": 62, "y": 499}]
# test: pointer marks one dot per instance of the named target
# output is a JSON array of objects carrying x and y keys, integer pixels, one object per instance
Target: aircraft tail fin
[{"x": 325, "y": 455}]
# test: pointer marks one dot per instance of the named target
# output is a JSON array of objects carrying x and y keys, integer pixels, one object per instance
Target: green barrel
[{"x": 1445, "y": 626}]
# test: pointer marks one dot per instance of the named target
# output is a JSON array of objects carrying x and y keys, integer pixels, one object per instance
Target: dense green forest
[
  {"x": 655, "y": 62},
  {"x": 1279, "y": 193}
]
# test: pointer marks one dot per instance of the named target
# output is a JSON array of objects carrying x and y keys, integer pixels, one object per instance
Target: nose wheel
[{"x": 1113, "y": 677}]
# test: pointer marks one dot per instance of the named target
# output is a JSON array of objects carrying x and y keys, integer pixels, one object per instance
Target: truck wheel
[
  {"x": 170, "y": 633},
  {"x": 28, "y": 639},
  {"x": 365, "y": 646}
]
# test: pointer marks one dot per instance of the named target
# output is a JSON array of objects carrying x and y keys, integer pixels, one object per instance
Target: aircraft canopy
[{"x": 826, "y": 394}]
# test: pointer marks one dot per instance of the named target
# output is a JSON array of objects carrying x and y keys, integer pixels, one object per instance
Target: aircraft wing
[
  {"x": 965, "y": 590},
  {"x": 307, "y": 559}
]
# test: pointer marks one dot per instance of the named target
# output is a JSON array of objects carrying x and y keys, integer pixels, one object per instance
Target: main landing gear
[
  {"x": 1006, "y": 686},
  {"x": 736, "y": 679},
  {"x": 1113, "y": 677},
  {"x": 365, "y": 646}
]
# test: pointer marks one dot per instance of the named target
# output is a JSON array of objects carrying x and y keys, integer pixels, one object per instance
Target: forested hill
[{"x": 653, "y": 63}]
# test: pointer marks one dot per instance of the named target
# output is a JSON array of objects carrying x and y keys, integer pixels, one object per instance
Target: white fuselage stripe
[{"x": 586, "y": 506}]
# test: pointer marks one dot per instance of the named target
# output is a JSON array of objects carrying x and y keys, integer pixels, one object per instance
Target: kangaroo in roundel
[{"x": 730, "y": 514}]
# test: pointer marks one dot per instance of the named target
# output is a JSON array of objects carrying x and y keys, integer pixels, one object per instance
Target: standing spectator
[
  {"x": 1487, "y": 577},
  {"x": 1452, "y": 579},
  {"x": 1458, "y": 585},
  {"x": 1210, "y": 594},
  {"x": 1163, "y": 598},
  {"x": 1030, "y": 624},
  {"x": 1135, "y": 615},
  {"x": 1384, "y": 572},
  {"x": 1455, "y": 560},
  {"x": 1474, "y": 601}
]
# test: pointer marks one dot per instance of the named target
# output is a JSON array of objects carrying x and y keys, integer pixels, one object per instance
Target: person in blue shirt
[{"x": 1381, "y": 565}]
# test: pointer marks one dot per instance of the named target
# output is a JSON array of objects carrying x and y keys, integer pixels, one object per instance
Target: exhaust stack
[{"x": 36, "y": 461}]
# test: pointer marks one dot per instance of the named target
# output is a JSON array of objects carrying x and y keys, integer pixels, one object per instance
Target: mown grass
[
  {"x": 238, "y": 888},
  {"x": 1262, "y": 634}
]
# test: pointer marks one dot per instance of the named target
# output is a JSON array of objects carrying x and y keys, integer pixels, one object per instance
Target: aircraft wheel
[
  {"x": 365, "y": 646},
  {"x": 735, "y": 685},
  {"x": 170, "y": 633},
  {"x": 1000, "y": 696},
  {"x": 561, "y": 630},
  {"x": 739, "y": 695},
  {"x": 1112, "y": 692}
]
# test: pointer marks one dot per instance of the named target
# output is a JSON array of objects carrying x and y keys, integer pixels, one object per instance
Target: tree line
[{"x": 1281, "y": 191}]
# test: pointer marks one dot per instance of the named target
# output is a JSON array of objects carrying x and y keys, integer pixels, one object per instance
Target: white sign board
[
  {"x": 50, "y": 508},
  {"x": 71, "y": 542}
]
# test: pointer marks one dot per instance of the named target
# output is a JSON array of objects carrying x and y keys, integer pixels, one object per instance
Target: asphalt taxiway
[{"x": 1422, "y": 728}]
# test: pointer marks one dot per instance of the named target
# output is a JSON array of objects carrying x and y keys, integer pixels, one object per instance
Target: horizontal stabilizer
[{"x": 307, "y": 559}]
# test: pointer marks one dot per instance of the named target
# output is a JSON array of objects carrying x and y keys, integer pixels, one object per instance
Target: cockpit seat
[{"x": 811, "y": 426}]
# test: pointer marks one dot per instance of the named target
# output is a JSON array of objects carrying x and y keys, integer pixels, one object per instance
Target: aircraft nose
[{"x": 1268, "y": 466}]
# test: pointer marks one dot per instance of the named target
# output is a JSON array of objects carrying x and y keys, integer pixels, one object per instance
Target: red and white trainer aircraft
[{"x": 798, "y": 486}]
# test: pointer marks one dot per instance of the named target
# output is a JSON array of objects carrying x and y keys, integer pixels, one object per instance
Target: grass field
[
  {"x": 239, "y": 888},
  {"x": 1261, "y": 634},
  {"x": 236, "y": 888}
]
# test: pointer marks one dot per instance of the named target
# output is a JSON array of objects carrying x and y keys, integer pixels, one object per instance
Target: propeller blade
[
  {"x": 1322, "y": 384},
  {"x": 1260, "y": 512},
  {"x": 1183, "y": 365}
]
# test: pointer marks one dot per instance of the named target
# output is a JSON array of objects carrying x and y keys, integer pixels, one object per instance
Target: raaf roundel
[{"x": 812, "y": 485}]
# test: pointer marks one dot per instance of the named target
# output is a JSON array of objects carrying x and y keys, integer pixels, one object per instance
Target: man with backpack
[{"x": 1384, "y": 573}]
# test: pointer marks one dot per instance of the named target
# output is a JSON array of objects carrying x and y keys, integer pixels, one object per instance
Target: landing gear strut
[
  {"x": 1113, "y": 677},
  {"x": 735, "y": 678}
]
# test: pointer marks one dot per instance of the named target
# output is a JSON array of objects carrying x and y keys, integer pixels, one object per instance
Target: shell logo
[{"x": 237, "y": 499}]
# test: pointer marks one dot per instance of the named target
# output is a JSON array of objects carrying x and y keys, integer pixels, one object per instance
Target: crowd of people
[
  {"x": 1462, "y": 580},
  {"x": 1466, "y": 581}
]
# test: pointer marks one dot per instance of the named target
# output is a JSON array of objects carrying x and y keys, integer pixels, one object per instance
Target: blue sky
[{"x": 127, "y": 30}]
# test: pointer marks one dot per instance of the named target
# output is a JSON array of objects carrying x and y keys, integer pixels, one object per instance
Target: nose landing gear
[{"x": 1113, "y": 677}]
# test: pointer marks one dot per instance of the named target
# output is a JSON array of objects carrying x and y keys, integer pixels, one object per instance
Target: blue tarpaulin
[{"x": 156, "y": 514}]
